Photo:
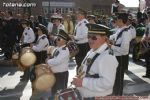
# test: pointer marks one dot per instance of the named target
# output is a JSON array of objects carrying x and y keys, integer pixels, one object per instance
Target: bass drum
[
  {"x": 20, "y": 66},
  {"x": 27, "y": 57},
  {"x": 45, "y": 78}
]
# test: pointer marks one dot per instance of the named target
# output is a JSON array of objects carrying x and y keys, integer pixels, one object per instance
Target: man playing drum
[
  {"x": 40, "y": 50},
  {"x": 41, "y": 45},
  {"x": 99, "y": 66},
  {"x": 59, "y": 63},
  {"x": 27, "y": 38}
]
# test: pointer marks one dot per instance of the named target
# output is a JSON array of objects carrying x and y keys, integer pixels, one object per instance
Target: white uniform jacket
[
  {"x": 60, "y": 60},
  {"x": 105, "y": 66},
  {"x": 50, "y": 27},
  {"x": 28, "y": 35},
  {"x": 123, "y": 41},
  {"x": 133, "y": 31},
  {"x": 41, "y": 44},
  {"x": 81, "y": 32}
]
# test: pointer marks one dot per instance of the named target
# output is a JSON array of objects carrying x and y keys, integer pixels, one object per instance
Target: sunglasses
[
  {"x": 58, "y": 39},
  {"x": 93, "y": 37}
]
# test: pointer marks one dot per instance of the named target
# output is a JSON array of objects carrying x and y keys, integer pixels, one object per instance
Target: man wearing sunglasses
[
  {"x": 59, "y": 62},
  {"x": 99, "y": 66}
]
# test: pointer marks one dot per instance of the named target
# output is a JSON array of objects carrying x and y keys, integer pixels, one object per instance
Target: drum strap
[
  {"x": 91, "y": 62},
  {"x": 120, "y": 34}
]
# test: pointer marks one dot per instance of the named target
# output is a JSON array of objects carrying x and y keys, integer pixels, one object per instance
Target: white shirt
[
  {"x": 123, "y": 41},
  {"x": 60, "y": 62},
  {"x": 81, "y": 32},
  {"x": 133, "y": 31},
  {"x": 50, "y": 27},
  {"x": 28, "y": 35},
  {"x": 105, "y": 66},
  {"x": 41, "y": 44},
  {"x": 61, "y": 26}
]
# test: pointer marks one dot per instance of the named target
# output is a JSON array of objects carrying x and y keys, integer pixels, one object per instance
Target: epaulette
[
  {"x": 43, "y": 37},
  {"x": 64, "y": 48},
  {"x": 85, "y": 22},
  {"x": 131, "y": 27}
]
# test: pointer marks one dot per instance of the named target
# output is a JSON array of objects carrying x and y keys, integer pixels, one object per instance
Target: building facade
[{"x": 47, "y": 7}]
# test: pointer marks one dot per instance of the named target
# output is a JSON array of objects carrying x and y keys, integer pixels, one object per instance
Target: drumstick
[{"x": 79, "y": 76}]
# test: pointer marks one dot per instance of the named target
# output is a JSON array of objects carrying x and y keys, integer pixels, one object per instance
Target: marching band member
[
  {"x": 53, "y": 28},
  {"x": 41, "y": 45},
  {"x": 99, "y": 66},
  {"x": 28, "y": 35},
  {"x": 59, "y": 63},
  {"x": 146, "y": 37},
  {"x": 40, "y": 49},
  {"x": 80, "y": 36},
  {"x": 27, "y": 38},
  {"x": 122, "y": 39}
]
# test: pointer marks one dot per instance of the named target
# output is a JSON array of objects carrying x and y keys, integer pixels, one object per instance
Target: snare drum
[
  {"x": 44, "y": 78},
  {"x": 73, "y": 48},
  {"x": 68, "y": 94},
  {"x": 27, "y": 57}
]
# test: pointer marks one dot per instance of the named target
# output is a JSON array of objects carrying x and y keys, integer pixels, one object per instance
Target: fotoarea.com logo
[{"x": 12, "y": 4}]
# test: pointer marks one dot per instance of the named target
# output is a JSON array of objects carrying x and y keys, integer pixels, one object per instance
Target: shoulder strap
[
  {"x": 120, "y": 34},
  {"x": 93, "y": 59}
]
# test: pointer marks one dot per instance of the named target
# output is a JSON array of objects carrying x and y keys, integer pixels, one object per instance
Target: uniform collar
[
  {"x": 61, "y": 47},
  {"x": 123, "y": 27},
  {"x": 101, "y": 48},
  {"x": 27, "y": 28},
  {"x": 41, "y": 35},
  {"x": 83, "y": 20}
]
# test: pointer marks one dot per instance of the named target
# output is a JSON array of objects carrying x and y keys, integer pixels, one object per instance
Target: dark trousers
[
  {"x": 61, "y": 82},
  {"x": 83, "y": 49},
  {"x": 40, "y": 58},
  {"x": 147, "y": 60},
  {"x": 118, "y": 85}
]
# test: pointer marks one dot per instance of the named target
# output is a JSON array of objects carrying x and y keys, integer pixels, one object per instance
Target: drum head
[
  {"x": 44, "y": 82},
  {"x": 28, "y": 59},
  {"x": 41, "y": 69}
]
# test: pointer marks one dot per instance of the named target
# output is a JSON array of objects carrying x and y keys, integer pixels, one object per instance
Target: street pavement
[{"x": 12, "y": 89}]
